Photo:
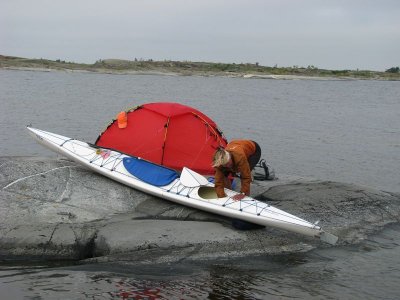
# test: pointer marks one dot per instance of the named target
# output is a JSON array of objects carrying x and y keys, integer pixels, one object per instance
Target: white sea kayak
[{"x": 187, "y": 188}]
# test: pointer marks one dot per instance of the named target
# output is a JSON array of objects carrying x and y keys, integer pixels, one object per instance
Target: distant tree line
[{"x": 393, "y": 70}]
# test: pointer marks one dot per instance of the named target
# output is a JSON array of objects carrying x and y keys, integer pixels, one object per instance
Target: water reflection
[{"x": 248, "y": 278}]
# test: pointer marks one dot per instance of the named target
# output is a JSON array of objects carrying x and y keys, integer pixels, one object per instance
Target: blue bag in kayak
[{"x": 149, "y": 172}]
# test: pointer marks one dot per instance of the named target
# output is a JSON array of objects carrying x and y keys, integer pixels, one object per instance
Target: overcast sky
[{"x": 332, "y": 34}]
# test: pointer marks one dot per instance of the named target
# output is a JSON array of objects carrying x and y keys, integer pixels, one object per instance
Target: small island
[{"x": 188, "y": 68}]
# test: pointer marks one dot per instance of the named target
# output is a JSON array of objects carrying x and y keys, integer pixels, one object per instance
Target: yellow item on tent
[{"x": 122, "y": 120}]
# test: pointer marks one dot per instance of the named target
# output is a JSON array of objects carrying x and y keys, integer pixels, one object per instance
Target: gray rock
[
  {"x": 348, "y": 210},
  {"x": 54, "y": 209}
]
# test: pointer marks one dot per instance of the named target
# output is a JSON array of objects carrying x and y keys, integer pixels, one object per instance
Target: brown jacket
[{"x": 240, "y": 150}]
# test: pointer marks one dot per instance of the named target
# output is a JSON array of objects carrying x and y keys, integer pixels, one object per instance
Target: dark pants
[{"x": 255, "y": 157}]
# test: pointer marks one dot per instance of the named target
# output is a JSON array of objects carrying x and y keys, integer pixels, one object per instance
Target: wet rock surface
[{"x": 54, "y": 209}]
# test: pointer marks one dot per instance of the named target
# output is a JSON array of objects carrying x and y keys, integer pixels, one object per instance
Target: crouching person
[{"x": 238, "y": 158}]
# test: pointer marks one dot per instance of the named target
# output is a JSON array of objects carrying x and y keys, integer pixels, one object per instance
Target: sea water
[{"x": 347, "y": 131}]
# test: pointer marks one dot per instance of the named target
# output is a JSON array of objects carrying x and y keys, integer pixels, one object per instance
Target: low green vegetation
[{"x": 192, "y": 68}]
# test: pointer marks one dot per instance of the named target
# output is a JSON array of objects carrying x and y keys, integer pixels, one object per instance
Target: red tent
[{"x": 169, "y": 134}]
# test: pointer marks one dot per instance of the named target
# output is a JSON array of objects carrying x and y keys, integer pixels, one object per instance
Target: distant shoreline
[
  {"x": 205, "y": 69},
  {"x": 113, "y": 72}
]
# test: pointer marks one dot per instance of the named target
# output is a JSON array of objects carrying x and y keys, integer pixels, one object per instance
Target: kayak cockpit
[{"x": 207, "y": 192}]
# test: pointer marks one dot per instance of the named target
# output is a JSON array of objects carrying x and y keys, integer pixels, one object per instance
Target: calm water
[
  {"x": 347, "y": 131},
  {"x": 339, "y": 130}
]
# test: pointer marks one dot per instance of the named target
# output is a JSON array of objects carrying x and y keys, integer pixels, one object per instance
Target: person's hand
[{"x": 238, "y": 197}]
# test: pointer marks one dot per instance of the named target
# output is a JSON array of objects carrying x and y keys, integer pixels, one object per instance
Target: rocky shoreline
[
  {"x": 187, "y": 73},
  {"x": 189, "y": 68},
  {"x": 53, "y": 209}
]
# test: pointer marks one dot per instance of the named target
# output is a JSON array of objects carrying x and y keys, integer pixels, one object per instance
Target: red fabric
[{"x": 169, "y": 134}]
